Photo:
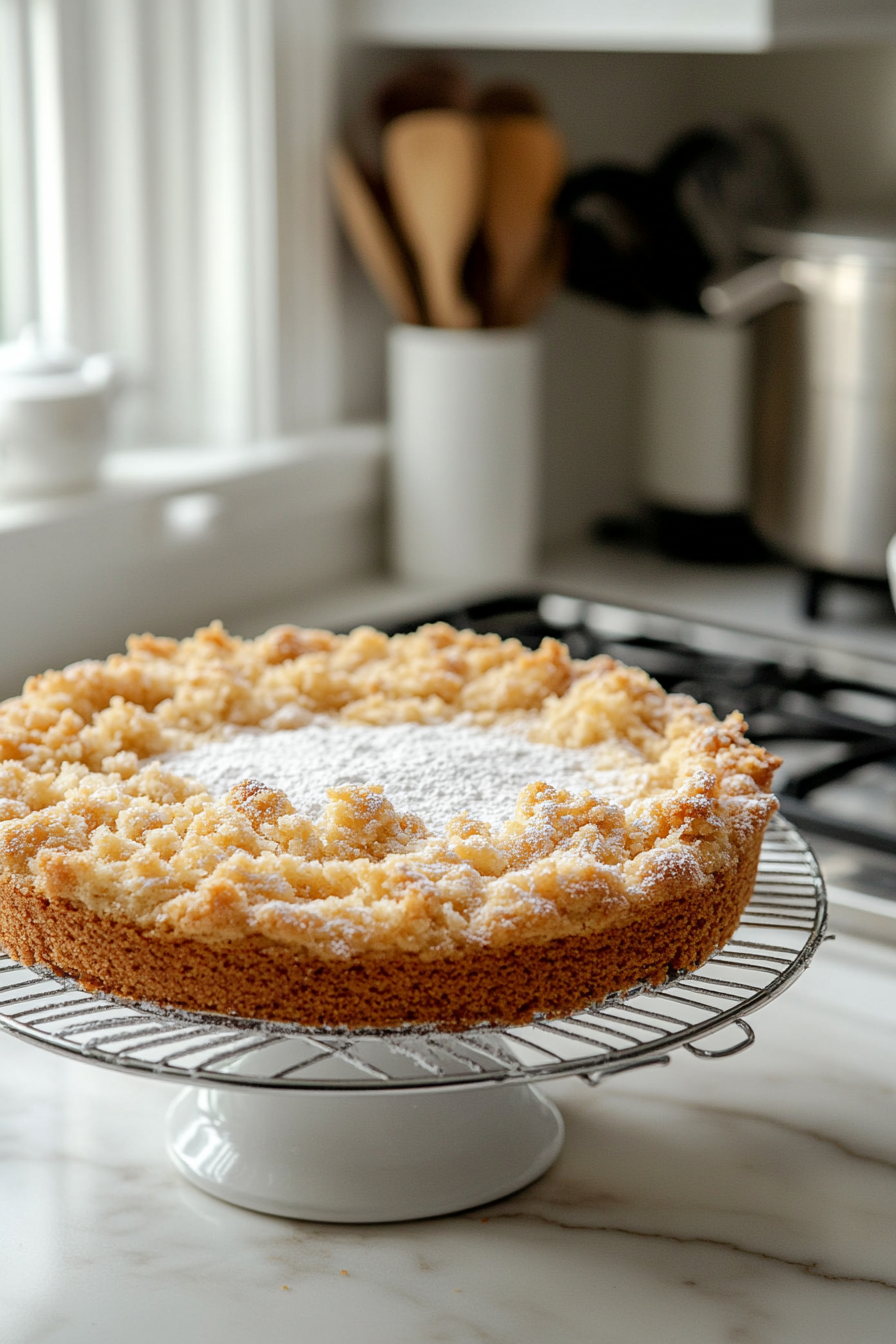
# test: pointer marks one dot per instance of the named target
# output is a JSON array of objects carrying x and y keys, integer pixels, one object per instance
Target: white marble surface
[{"x": 750, "y": 1200}]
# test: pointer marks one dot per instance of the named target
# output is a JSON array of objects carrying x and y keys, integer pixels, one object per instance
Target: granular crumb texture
[{"x": 135, "y": 878}]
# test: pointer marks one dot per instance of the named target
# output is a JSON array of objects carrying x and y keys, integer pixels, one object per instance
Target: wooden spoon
[
  {"x": 421, "y": 87},
  {"x": 525, "y": 164},
  {"x": 372, "y": 238},
  {"x": 541, "y": 280},
  {"x": 508, "y": 98},
  {"x": 433, "y": 163}
]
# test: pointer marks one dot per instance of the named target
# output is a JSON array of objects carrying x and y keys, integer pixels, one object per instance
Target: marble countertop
[{"x": 751, "y": 1200}]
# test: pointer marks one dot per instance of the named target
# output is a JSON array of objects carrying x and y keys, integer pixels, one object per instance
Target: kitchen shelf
[{"x": 607, "y": 25}]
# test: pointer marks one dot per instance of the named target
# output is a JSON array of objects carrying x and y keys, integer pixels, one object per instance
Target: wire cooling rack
[{"x": 781, "y": 928}]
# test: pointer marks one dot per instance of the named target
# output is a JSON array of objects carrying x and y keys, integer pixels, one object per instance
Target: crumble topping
[{"x": 655, "y": 796}]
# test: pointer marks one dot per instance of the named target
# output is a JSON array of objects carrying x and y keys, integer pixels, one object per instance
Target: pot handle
[{"x": 751, "y": 292}]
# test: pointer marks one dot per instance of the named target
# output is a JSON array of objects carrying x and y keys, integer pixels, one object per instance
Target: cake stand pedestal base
[{"x": 355, "y": 1157}]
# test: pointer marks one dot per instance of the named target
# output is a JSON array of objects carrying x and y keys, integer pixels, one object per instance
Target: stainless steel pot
[{"x": 824, "y": 391}]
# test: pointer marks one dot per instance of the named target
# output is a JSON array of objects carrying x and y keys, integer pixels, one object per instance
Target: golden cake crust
[
  {"x": 137, "y": 881},
  {"x": 501, "y": 986}
]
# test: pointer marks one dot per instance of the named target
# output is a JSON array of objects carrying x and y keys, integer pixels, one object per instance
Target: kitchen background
[
  {"x": 839, "y": 106},
  {"x": 163, "y": 197}
]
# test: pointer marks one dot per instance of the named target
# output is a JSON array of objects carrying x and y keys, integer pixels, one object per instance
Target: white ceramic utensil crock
[
  {"x": 54, "y": 413},
  {"x": 465, "y": 420},
  {"x": 695, "y": 414}
]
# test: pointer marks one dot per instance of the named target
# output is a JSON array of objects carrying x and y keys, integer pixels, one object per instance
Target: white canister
[
  {"x": 695, "y": 414},
  {"x": 54, "y": 409},
  {"x": 465, "y": 411}
]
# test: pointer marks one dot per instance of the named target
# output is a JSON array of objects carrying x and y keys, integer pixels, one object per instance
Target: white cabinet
[{"x": 620, "y": 25}]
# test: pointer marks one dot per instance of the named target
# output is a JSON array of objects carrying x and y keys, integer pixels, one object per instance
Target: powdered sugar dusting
[{"x": 432, "y": 770}]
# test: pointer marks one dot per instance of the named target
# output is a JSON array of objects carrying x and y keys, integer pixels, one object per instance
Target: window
[{"x": 162, "y": 196}]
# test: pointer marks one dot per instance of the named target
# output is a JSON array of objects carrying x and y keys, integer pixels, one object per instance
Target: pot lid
[{"x": 830, "y": 238}]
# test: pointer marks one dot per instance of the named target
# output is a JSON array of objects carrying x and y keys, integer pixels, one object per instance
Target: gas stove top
[{"x": 830, "y": 714}]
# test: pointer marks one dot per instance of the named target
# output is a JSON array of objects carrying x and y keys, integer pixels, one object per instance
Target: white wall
[{"x": 840, "y": 105}]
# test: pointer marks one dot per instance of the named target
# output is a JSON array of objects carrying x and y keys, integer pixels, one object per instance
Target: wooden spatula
[
  {"x": 371, "y": 236},
  {"x": 543, "y": 277},
  {"x": 525, "y": 164},
  {"x": 421, "y": 87},
  {"x": 434, "y": 169},
  {"x": 508, "y": 98}
]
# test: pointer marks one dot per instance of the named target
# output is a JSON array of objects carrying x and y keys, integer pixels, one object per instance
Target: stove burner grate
[{"x": 790, "y": 693}]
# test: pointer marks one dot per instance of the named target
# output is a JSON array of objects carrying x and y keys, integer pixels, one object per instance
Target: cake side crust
[{"x": 501, "y": 986}]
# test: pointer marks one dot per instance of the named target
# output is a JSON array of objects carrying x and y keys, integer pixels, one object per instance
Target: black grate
[{"x": 790, "y": 693}]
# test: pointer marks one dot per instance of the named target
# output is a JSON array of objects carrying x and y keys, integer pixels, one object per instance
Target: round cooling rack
[{"x": 780, "y": 930}]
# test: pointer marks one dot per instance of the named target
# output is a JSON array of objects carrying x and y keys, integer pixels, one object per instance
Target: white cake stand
[
  {"x": 360, "y": 1127},
  {"x": 364, "y": 1158}
]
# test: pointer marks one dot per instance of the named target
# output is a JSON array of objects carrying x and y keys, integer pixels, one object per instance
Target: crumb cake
[{"x": 355, "y": 830}]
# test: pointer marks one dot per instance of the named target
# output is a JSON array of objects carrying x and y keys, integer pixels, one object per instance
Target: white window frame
[{"x": 162, "y": 195}]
